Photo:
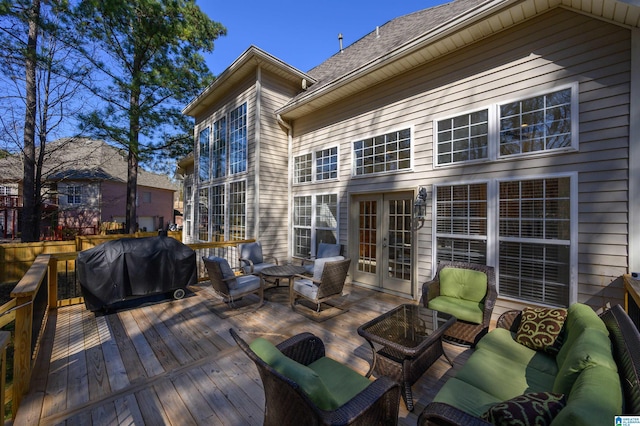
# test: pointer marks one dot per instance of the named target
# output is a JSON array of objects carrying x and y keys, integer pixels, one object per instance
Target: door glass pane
[
  {"x": 367, "y": 236},
  {"x": 399, "y": 238}
]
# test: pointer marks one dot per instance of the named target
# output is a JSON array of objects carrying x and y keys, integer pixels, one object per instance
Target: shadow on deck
[{"x": 174, "y": 362}]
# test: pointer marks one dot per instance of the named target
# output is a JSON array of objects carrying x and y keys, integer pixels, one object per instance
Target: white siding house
[{"x": 520, "y": 119}]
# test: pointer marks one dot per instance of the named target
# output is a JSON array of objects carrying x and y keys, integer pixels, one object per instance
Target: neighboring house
[
  {"x": 86, "y": 179},
  {"x": 520, "y": 119}
]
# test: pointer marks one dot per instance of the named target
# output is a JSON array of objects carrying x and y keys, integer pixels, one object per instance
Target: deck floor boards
[{"x": 174, "y": 362}]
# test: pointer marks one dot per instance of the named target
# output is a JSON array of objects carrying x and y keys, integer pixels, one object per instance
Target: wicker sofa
[{"x": 597, "y": 370}]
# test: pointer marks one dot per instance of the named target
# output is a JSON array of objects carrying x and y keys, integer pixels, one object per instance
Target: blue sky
[{"x": 302, "y": 34}]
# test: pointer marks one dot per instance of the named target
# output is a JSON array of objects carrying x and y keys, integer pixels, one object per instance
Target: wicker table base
[{"x": 411, "y": 339}]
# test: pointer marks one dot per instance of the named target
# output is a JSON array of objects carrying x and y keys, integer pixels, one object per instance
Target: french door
[{"x": 382, "y": 240}]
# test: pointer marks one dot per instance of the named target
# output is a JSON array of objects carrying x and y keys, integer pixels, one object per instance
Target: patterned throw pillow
[
  {"x": 540, "y": 329},
  {"x": 529, "y": 409}
]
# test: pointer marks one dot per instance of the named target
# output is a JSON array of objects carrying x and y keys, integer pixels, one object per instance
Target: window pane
[
  {"x": 327, "y": 164},
  {"x": 390, "y": 152},
  {"x": 203, "y": 214},
  {"x": 219, "y": 150},
  {"x": 302, "y": 211},
  {"x": 238, "y": 139},
  {"x": 204, "y": 155},
  {"x": 536, "y": 124},
  {"x": 237, "y": 210},
  {"x": 463, "y": 138},
  {"x": 217, "y": 213},
  {"x": 302, "y": 169}
]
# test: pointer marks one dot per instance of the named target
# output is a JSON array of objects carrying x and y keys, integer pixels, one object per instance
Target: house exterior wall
[
  {"x": 557, "y": 49},
  {"x": 79, "y": 204}
]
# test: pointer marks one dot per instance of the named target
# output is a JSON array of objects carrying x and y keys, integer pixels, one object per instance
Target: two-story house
[
  {"x": 84, "y": 184},
  {"x": 519, "y": 121}
]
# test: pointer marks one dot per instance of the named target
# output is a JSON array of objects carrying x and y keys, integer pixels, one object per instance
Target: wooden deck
[{"x": 174, "y": 362}]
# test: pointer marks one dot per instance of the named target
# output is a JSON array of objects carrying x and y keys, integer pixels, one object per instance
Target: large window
[
  {"x": 74, "y": 194},
  {"x": 217, "y": 212},
  {"x": 386, "y": 153},
  {"x": 188, "y": 209},
  {"x": 461, "y": 223},
  {"x": 463, "y": 138},
  {"x": 540, "y": 123},
  {"x": 204, "y": 155},
  {"x": 326, "y": 166},
  {"x": 238, "y": 140},
  {"x": 315, "y": 221},
  {"x": 535, "y": 239},
  {"x": 530, "y": 244},
  {"x": 543, "y": 123},
  {"x": 237, "y": 210},
  {"x": 203, "y": 214},
  {"x": 219, "y": 149}
]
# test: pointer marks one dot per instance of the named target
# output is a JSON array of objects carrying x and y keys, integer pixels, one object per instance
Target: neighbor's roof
[{"x": 87, "y": 159}]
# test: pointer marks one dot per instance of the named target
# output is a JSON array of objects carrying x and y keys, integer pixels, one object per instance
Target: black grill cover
[{"x": 120, "y": 269}]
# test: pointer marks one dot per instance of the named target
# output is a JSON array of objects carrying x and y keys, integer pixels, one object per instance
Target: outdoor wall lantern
[{"x": 420, "y": 207}]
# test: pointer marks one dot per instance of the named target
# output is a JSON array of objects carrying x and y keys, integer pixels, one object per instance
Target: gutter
[{"x": 289, "y": 177}]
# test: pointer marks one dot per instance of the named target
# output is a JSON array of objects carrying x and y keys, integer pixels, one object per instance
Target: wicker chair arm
[
  {"x": 509, "y": 320},
  {"x": 303, "y": 348},
  {"x": 307, "y": 277},
  {"x": 439, "y": 413},
  {"x": 377, "y": 404},
  {"x": 275, "y": 259},
  {"x": 430, "y": 290},
  {"x": 249, "y": 262}
]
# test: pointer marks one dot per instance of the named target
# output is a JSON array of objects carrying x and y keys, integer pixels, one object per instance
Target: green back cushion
[
  {"x": 580, "y": 317},
  {"x": 540, "y": 328},
  {"x": 342, "y": 382},
  {"x": 308, "y": 380},
  {"x": 529, "y": 409},
  {"x": 589, "y": 349},
  {"x": 464, "y": 284},
  {"x": 595, "y": 399}
]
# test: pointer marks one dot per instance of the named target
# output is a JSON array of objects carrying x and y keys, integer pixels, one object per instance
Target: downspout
[
  {"x": 256, "y": 138},
  {"x": 634, "y": 155},
  {"x": 289, "y": 179}
]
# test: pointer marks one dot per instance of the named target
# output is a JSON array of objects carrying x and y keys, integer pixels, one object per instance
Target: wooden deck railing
[
  {"x": 632, "y": 298},
  {"x": 31, "y": 302}
]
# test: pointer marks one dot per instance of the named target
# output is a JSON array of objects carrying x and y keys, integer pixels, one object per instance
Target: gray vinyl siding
[
  {"x": 274, "y": 174},
  {"x": 555, "y": 49}
]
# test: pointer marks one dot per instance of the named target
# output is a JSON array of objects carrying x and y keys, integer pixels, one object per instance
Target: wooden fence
[
  {"x": 16, "y": 258},
  {"x": 37, "y": 293}
]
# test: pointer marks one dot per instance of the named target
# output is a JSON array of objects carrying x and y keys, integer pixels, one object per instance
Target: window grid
[
  {"x": 385, "y": 153},
  {"x": 399, "y": 245},
  {"x": 461, "y": 223},
  {"x": 74, "y": 194},
  {"x": 237, "y": 210},
  {"x": 302, "y": 220},
  {"x": 327, "y": 164},
  {"x": 367, "y": 236},
  {"x": 326, "y": 220},
  {"x": 302, "y": 171},
  {"x": 238, "y": 139},
  {"x": 539, "y": 123},
  {"x": 188, "y": 206},
  {"x": 219, "y": 149},
  {"x": 203, "y": 214},
  {"x": 217, "y": 213},
  {"x": 535, "y": 245},
  {"x": 463, "y": 138},
  {"x": 204, "y": 155}
]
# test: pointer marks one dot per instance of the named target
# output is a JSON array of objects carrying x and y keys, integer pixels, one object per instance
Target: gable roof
[
  {"x": 417, "y": 38},
  {"x": 87, "y": 159}
]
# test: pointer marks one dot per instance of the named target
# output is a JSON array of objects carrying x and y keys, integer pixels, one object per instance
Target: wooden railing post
[
  {"x": 53, "y": 282},
  {"x": 22, "y": 350},
  {"x": 5, "y": 338}
]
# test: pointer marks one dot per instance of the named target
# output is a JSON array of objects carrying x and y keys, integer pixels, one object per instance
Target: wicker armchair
[
  {"x": 230, "y": 286},
  {"x": 464, "y": 332},
  {"x": 287, "y": 404},
  {"x": 253, "y": 260},
  {"x": 327, "y": 283}
]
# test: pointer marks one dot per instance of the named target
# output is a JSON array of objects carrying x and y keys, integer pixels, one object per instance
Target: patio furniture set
[{"x": 586, "y": 374}]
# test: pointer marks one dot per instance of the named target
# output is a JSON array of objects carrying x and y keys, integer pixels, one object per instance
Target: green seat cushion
[
  {"x": 501, "y": 342},
  {"x": 465, "y": 397},
  {"x": 595, "y": 399},
  {"x": 464, "y": 310},
  {"x": 591, "y": 348},
  {"x": 308, "y": 380},
  {"x": 503, "y": 377},
  {"x": 342, "y": 382},
  {"x": 464, "y": 284}
]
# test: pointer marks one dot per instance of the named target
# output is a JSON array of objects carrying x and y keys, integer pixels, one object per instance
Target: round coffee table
[{"x": 282, "y": 271}]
